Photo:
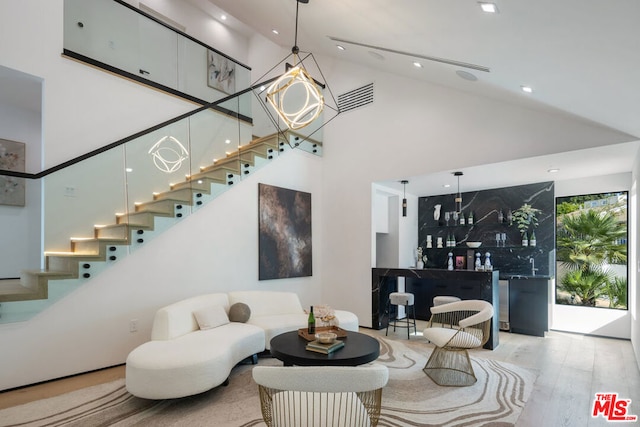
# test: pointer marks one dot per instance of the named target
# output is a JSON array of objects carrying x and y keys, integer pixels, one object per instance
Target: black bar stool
[{"x": 405, "y": 299}]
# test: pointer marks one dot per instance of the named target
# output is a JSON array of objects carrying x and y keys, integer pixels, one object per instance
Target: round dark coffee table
[{"x": 358, "y": 349}]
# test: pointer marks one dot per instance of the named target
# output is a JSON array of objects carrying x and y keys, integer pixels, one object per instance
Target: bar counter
[{"x": 429, "y": 282}]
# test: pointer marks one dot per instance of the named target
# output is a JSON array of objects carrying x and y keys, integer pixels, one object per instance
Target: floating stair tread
[
  {"x": 20, "y": 293},
  {"x": 10, "y": 287},
  {"x": 184, "y": 194},
  {"x": 230, "y": 164},
  {"x": 261, "y": 150},
  {"x": 161, "y": 206},
  {"x": 103, "y": 240},
  {"x": 79, "y": 256},
  {"x": 219, "y": 175},
  {"x": 139, "y": 219},
  {"x": 125, "y": 225},
  {"x": 270, "y": 140},
  {"x": 55, "y": 274},
  {"x": 204, "y": 186},
  {"x": 246, "y": 158}
]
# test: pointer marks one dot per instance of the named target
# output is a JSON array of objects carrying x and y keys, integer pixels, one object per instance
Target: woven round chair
[
  {"x": 454, "y": 328},
  {"x": 314, "y": 396}
]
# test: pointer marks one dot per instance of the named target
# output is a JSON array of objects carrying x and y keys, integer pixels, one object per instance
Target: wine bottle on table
[{"x": 312, "y": 323}]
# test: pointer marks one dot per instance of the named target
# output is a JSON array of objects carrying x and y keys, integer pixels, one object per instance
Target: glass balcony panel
[
  {"x": 120, "y": 37},
  {"x": 104, "y": 31},
  {"x": 158, "y": 53},
  {"x": 81, "y": 196}
]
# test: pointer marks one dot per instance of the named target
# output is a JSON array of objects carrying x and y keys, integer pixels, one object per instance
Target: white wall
[
  {"x": 634, "y": 271},
  {"x": 213, "y": 250}
]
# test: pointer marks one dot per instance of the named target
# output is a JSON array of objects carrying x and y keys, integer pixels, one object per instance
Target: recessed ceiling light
[
  {"x": 488, "y": 7},
  {"x": 553, "y": 170},
  {"x": 276, "y": 32},
  {"x": 223, "y": 17},
  {"x": 527, "y": 89},
  {"x": 227, "y": 141},
  {"x": 446, "y": 185},
  {"x": 340, "y": 47},
  {"x": 417, "y": 64},
  {"x": 128, "y": 170}
]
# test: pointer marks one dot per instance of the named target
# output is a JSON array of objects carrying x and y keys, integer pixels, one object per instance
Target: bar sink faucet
[{"x": 533, "y": 266}]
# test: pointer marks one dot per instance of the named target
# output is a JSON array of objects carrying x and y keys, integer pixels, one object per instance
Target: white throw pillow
[{"x": 211, "y": 317}]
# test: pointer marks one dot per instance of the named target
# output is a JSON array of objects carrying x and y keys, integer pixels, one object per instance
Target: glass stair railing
[
  {"x": 93, "y": 211},
  {"x": 104, "y": 208}
]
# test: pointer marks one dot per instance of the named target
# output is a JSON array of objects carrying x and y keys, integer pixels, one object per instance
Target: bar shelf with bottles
[
  {"x": 495, "y": 232},
  {"x": 508, "y": 255}
]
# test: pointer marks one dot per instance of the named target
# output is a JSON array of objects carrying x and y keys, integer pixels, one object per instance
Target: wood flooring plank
[{"x": 571, "y": 368}]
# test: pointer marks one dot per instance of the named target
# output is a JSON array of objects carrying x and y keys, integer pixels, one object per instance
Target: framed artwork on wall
[
  {"x": 221, "y": 72},
  {"x": 12, "y": 157},
  {"x": 284, "y": 234}
]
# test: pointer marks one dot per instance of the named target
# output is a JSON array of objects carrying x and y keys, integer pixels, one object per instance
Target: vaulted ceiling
[{"x": 580, "y": 57}]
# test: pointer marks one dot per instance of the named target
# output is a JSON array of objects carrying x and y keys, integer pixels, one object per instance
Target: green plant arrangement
[{"x": 526, "y": 216}]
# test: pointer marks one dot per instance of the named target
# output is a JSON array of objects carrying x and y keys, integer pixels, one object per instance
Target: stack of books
[{"x": 324, "y": 348}]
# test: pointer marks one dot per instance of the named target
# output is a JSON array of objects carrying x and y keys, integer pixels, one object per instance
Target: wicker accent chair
[
  {"x": 453, "y": 329},
  {"x": 316, "y": 396}
]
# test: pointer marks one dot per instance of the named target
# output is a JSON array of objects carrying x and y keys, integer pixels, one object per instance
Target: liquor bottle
[
  {"x": 478, "y": 262},
  {"x": 525, "y": 240},
  {"x": 470, "y": 220},
  {"x": 462, "y": 222},
  {"x": 450, "y": 261},
  {"x": 500, "y": 216},
  {"x": 532, "y": 239},
  {"x": 311, "y": 329}
]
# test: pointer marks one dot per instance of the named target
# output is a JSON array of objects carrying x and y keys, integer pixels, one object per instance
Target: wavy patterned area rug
[{"x": 410, "y": 399}]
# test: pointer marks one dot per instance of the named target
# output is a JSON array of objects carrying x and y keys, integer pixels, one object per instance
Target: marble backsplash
[{"x": 510, "y": 259}]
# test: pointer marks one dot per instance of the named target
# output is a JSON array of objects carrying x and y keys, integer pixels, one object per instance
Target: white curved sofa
[
  {"x": 182, "y": 359},
  {"x": 279, "y": 312}
]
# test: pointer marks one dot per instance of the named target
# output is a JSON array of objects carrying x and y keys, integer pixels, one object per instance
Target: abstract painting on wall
[
  {"x": 284, "y": 233},
  {"x": 221, "y": 72},
  {"x": 12, "y": 158}
]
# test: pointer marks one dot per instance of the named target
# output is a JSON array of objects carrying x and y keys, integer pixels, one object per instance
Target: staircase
[{"x": 131, "y": 228}]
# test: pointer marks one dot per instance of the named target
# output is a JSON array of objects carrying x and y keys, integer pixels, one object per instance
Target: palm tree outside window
[{"x": 591, "y": 243}]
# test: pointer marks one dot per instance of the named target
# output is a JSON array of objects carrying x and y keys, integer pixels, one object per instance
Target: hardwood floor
[
  {"x": 571, "y": 369},
  {"x": 54, "y": 388}
]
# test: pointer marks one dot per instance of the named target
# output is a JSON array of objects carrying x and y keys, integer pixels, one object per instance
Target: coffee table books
[{"x": 324, "y": 348}]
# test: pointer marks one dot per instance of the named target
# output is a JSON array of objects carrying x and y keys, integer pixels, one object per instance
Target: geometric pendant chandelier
[{"x": 298, "y": 97}]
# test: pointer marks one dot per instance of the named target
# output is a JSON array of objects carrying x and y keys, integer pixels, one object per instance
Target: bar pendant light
[
  {"x": 458, "y": 199},
  {"x": 404, "y": 198}
]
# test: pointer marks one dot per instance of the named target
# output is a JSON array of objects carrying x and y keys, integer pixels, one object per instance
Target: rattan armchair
[
  {"x": 321, "y": 395},
  {"x": 453, "y": 329}
]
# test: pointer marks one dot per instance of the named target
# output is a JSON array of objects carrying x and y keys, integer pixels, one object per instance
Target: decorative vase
[{"x": 420, "y": 265}]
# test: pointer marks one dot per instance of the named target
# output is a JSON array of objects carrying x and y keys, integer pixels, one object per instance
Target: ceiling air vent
[{"x": 356, "y": 98}]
